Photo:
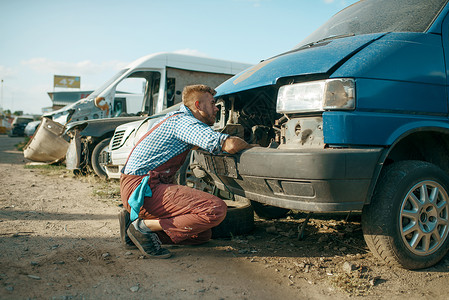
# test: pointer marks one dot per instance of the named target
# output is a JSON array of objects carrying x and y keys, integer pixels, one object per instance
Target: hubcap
[
  {"x": 423, "y": 218},
  {"x": 106, "y": 148}
]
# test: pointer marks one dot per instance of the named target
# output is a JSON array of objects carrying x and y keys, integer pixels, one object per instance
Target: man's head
[{"x": 200, "y": 100}]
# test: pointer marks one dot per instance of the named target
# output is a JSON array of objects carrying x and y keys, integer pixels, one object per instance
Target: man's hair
[{"x": 192, "y": 93}]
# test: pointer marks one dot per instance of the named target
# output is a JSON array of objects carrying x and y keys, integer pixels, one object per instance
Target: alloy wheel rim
[
  {"x": 105, "y": 149},
  {"x": 423, "y": 218}
]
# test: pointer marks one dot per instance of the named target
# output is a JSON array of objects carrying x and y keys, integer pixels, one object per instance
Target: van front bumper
[{"x": 318, "y": 180}]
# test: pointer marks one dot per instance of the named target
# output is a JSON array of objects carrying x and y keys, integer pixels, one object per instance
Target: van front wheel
[
  {"x": 407, "y": 221},
  {"x": 269, "y": 212}
]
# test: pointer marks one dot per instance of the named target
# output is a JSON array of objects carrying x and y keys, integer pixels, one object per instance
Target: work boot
[
  {"x": 124, "y": 221},
  {"x": 148, "y": 243}
]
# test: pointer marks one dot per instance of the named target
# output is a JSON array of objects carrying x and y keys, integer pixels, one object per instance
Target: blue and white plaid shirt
[{"x": 174, "y": 136}]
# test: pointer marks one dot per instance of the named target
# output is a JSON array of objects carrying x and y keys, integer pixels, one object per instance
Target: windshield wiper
[{"x": 332, "y": 37}]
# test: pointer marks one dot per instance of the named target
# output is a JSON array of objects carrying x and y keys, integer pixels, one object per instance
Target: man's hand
[{"x": 234, "y": 144}]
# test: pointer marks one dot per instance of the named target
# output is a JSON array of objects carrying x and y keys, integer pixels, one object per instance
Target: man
[{"x": 161, "y": 210}]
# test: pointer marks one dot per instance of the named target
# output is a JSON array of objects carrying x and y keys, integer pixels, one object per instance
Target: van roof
[{"x": 188, "y": 62}]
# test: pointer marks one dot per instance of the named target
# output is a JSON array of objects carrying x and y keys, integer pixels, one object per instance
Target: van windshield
[
  {"x": 375, "y": 16},
  {"x": 108, "y": 83}
]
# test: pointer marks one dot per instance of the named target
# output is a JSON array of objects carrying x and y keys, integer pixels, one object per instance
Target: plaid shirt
[{"x": 174, "y": 136}]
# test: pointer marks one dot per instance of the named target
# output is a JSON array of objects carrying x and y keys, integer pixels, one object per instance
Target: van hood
[{"x": 319, "y": 58}]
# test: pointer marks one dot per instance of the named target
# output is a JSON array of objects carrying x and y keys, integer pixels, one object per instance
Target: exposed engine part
[
  {"x": 303, "y": 132},
  {"x": 262, "y": 135},
  {"x": 250, "y": 115},
  {"x": 277, "y": 128}
]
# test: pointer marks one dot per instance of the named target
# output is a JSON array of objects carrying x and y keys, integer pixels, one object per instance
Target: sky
[{"x": 94, "y": 39}]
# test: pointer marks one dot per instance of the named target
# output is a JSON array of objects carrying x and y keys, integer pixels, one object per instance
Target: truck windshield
[
  {"x": 375, "y": 16},
  {"x": 108, "y": 83}
]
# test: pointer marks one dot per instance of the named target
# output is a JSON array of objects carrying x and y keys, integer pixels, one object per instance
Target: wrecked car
[
  {"x": 354, "y": 118},
  {"x": 48, "y": 144},
  {"x": 18, "y": 125}
]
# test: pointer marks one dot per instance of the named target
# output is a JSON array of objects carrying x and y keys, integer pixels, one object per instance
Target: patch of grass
[
  {"x": 90, "y": 178},
  {"x": 354, "y": 284},
  {"x": 50, "y": 170},
  {"x": 45, "y": 167},
  {"x": 108, "y": 190}
]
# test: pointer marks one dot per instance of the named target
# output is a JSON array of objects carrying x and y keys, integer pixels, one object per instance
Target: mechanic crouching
[{"x": 158, "y": 211}]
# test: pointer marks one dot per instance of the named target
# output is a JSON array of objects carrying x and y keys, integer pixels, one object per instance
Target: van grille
[{"x": 117, "y": 139}]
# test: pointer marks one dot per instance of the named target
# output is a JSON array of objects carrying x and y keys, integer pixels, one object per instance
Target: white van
[{"x": 147, "y": 86}]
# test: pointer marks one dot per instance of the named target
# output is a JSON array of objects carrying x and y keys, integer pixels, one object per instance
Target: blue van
[{"x": 354, "y": 118}]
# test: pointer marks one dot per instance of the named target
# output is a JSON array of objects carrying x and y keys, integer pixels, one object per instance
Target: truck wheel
[
  {"x": 239, "y": 219},
  {"x": 407, "y": 222},
  {"x": 269, "y": 212},
  {"x": 95, "y": 158}
]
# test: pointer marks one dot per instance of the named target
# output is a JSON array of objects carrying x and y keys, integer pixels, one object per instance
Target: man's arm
[{"x": 234, "y": 144}]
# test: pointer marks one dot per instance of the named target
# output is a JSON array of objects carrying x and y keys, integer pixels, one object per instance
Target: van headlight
[{"x": 329, "y": 94}]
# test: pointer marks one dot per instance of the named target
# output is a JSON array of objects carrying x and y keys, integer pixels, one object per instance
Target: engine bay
[{"x": 251, "y": 115}]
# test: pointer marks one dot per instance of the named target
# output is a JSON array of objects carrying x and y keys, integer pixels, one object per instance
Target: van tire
[
  {"x": 95, "y": 158},
  {"x": 269, "y": 212},
  {"x": 397, "y": 224},
  {"x": 239, "y": 219}
]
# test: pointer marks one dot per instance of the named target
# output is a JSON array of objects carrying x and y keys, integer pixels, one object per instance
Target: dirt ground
[{"x": 59, "y": 239}]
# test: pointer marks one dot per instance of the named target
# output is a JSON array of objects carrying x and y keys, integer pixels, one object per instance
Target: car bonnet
[{"x": 320, "y": 58}]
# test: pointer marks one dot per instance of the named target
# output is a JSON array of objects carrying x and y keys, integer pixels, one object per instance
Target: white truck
[{"x": 161, "y": 78}]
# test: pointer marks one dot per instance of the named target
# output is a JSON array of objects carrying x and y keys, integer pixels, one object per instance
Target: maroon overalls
[{"x": 186, "y": 214}]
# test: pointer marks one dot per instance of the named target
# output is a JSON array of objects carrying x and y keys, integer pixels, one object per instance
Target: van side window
[
  {"x": 137, "y": 94},
  {"x": 154, "y": 91},
  {"x": 183, "y": 78},
  {"x": 131, "y": 90},
  {"x": 171, "y": 86},
  {"x": 119, "y": 106}
]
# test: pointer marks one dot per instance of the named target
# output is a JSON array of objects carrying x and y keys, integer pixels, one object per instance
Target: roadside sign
[{"x": 67, "y": 81}]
